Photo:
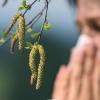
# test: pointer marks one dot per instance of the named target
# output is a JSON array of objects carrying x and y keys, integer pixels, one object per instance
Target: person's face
[{"x": 88, "y": 17}]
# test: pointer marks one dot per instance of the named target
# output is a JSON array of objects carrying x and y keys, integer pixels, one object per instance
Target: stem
[
  {"x": 30, "y": 6},
  {"x": 42, "y": 28},
  {"x": 34, "y": 21}
]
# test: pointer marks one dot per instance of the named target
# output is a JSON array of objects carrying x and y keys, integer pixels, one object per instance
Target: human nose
[{"x": 87, "y": 31}]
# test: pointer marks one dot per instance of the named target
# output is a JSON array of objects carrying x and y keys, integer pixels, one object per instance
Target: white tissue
[{"x": 83, "y": 40}]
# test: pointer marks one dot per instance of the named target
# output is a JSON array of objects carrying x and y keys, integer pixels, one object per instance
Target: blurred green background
[{"x": 14, "y": 69}]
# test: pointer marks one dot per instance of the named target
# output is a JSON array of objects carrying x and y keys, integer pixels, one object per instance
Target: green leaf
[
  {"x": 24, "y": 3},
  {"x": 29, "y": 30},
  {"x": 27, "y": 48},
  {"x": 27, "y": 7},
  {"x": 29, "y": 45},
  {"x": 47, "y": 26},
  {"x": 35, "y": 35},
  {"x": 21, "y": 8},
  {"x": 2, "y": 41}
]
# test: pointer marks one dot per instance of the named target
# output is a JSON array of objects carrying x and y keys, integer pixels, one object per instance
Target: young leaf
[
  {"x": 21, "y": 8},
  {"x": 2, "y": 41},
  {"x": 27, "y": 48},
  {"x": 27, "y": 7},
  {"x": 35, "y": 35},
  {"x": 24, "y": 3},
  {"x": 29, "y": 30},
  {"x": 29, "y": 45},
  {"x": 47, "y": 26}
]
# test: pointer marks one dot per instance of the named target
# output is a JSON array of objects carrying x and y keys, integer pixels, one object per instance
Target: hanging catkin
[
  {"x": 21, "y": 32},
  {"x": 32, "y": 64},
  {"x": 13, "y": 42},
  {"x": 14, "y": 20},
  {"x": 41, "y": 66},
  {"x": 37, "y": 76}
]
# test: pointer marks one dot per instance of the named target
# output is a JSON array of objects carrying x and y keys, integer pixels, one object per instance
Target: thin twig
[
  {"x": 33, "y": 19},
  {"x": 42, "y": 28},
  {"x": 4, "y": 3},
  {"x": 39, "y": 14},
  {"x": 32, "y": 24},
  {"x": 30, "y": 7}
]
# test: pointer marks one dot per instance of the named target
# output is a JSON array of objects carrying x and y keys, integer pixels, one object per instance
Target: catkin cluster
[
  {"x": 37, "y": 74},
  {"x": 14, "y": 20},
  {"x": 19, "y": 35}
]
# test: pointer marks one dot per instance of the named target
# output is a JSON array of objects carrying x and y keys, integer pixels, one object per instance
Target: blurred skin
[{"x": 80, "y": 79}]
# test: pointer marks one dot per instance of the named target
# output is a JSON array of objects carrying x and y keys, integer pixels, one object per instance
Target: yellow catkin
[
  {"x": 41, "y": 66},
  {"x": 13, "y": 42},
  {"x": 37, "y": 76},
  {"x": 14, "y": 20},
  {"x": 21, "y": 32},
  {"x": 32, "y": 64}
]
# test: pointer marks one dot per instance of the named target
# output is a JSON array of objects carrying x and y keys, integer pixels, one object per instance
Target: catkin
[
  {"x": 13, "y": 42},
  {"x": 14, "y": 20},
  {"x": 37, "y": 76},
  {"x": 41, "y": 66},
  {"x": 32, "y": 64},
  {"x": 21, "y": 32}
]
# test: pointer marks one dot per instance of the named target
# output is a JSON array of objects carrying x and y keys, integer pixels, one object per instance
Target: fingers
[
  {"x": 86, "y": 88},
  {"x": 76, "y": 62},
  {"x": 96, "y": 77},
  {"x": 89, "y": 60},
  {"x": 77, "y": 56},
  {"x": 62, "y": 84}
]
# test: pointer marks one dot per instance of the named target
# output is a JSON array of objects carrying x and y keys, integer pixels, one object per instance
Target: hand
[{"x": 80, "y": 80}]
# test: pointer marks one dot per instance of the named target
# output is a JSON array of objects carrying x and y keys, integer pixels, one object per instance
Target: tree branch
[{"x": 35, "y": 19}]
